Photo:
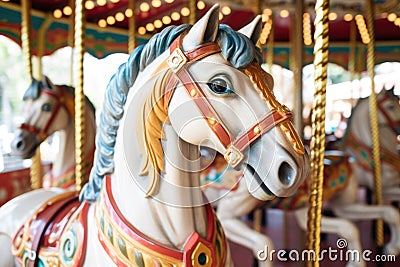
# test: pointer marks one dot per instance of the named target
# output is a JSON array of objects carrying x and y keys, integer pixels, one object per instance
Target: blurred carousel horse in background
[
  {"x": 358, "y": 143},
  {"x": 50, "y": 108},
  {"x": 143, "y": 205},
  {"x": 224, "y": 185}
]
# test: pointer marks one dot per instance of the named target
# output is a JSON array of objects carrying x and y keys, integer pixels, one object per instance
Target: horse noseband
[{"x": 177, "y": 62}]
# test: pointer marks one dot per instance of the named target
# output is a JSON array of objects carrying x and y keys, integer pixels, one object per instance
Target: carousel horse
[
  {"x": 340, "y": 192},
  {"x": 225, "y": 186},
  {"x": 358, "y": 143},
  {"x": 189, "y": 86},
  {"x": 50, "y": 108}
]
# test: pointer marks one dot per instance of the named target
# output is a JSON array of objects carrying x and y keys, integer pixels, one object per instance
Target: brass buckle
[
  {"x": 233, "y": 156},
  {"x": 176, "y": 60}
]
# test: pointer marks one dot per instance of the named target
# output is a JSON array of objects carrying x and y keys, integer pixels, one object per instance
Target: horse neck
[
  {"x": 174, "y": 212},
  {"x": 65, "y": 159}
]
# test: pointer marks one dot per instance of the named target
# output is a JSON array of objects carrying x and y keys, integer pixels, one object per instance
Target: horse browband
[{"x": 177, "y": 62}]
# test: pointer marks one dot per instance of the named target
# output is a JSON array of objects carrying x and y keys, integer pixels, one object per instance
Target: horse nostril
[
  {"x": 20, "y": 145},
  {"x": 286, "y": 174}
]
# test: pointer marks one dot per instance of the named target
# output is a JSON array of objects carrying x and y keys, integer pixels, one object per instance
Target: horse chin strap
[
  {"x": 178, "y": 62},
  {"x": 63, "y": 101}
]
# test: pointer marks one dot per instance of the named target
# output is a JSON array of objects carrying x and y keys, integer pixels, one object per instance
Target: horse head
[
  {"x": 47, "y": 109},
  {"x": 389, "y": 110}
]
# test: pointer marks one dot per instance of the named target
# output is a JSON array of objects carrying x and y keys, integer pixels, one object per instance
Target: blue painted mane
[{"x": 236, "y": 48}]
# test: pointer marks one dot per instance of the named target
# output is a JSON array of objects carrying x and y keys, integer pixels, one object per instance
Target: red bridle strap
[{"x": 177, "y": 62}]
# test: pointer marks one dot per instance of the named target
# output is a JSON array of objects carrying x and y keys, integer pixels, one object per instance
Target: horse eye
[
  {"x": 46, "y": 107},
  {"x": 219, "y": 86},
  {"x": 390, "y": 107}
]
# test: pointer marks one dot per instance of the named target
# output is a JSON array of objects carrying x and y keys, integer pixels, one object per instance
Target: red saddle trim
[
  {"x": 44, "y": 229},
  {"x": 108, "y": 202}
]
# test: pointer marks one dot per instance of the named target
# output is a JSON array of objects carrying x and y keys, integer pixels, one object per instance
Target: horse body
[
  {"x": 50, "y": 109},
  {"x": 358, "y": 142},
  {"x": 150, "y": 210}
]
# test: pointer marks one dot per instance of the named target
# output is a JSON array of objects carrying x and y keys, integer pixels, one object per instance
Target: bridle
[
  {"x": 178, "y": 62},
  {"x": 391, "y": 123},
  {"x": 62, "y": 101}
]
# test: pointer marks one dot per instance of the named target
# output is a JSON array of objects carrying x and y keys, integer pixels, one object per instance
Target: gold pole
[
  {"x": 71, "y": 40},
  {"x": 318, "y": 129},
  {"x": 36, "y": 167},
  {"x": 352, "y": 57},
  {"x": 297, "y": 64},
  {"x": 132, "y": 27},
  {"x": 192, "y": 5},
  {"x": 373, "y": 113},
  {"x": 270, "y": 46},
  {"x": 79, "y": 95}
]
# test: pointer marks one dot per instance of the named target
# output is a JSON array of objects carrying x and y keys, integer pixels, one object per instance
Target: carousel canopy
[{"x": 107, "y": 24}]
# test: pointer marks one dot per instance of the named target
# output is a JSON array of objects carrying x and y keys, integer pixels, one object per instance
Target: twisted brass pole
[
  {"x": 36, "y": 167},
  {"x": 373, "y": 113},
  {"x": 132, "y": 27},
  {"x": 79, "y": 94},
  {"x": 318, "y": 128}
]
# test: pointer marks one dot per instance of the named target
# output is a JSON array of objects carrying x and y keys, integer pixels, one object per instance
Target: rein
[
  {"x": 178, "y": 62},
  {"x": 63, "y": 101}
]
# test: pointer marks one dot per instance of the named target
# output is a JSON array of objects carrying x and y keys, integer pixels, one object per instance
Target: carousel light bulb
[
  {"x": 101, "y": 2},
  {"x": 175, "y": 16},
  {"x": 114, "y": 1},
  {"x": 128, "y": 13},
  {"x": 226, "y": 10},
  {"x": 144, "y": 7},
  {"x": 156, "y": 3},
  {"x": 119, "y": 16},
  {"x": 332, "y": 16},
  {"x": 185, "y": 11},
  {"x": 166, "y": 20},
  {"x": 384, "y": 15},
  {"x": 102, "y": 23},
  {"x": 150, "y": 27},
  {"x": 391, "y": 17},
  {"x": 284, "y": 13},
  {"x": 221, "y": 16},
  {"x": 110, "y": 20},
  {"x": 169, "y": 1},
  {"x": 89, "y": 5},
  {"x": 397, "y": 22},
  {"x": 57, "y": 13},
  {"x": 201, "y": 5},
  {"x": 348, "y": 17},
  {"x": 142, "y": 30},
  {"x": 67, "y": 10},
  {"x": 158, "y": 24}
]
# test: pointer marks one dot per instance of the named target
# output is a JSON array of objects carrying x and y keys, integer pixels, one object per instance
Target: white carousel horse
[
  {"x": 50, "y": 108},
  {"x": 340, "y": 191},
  {"x": 189, "y": 87},
  {"x": 358, "y": 142}
]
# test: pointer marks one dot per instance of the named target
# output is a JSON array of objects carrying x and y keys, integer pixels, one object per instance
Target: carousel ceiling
[{"x": 107, "y": 23}]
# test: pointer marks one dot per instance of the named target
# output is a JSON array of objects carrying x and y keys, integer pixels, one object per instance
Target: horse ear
[
  {"x": 204, "y": 31},
  {"x": 47, "y": 83},
  {"x": 253, "y": 29}
]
